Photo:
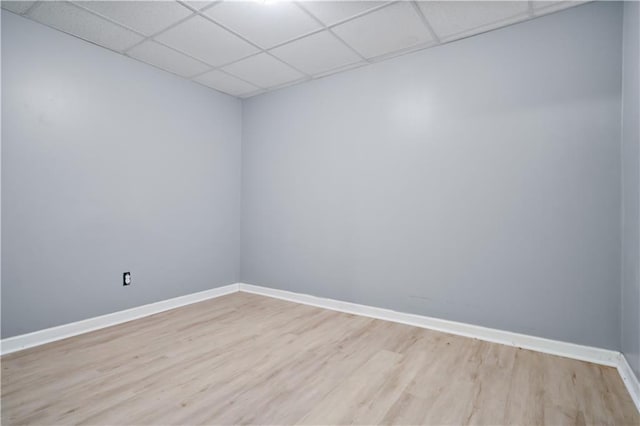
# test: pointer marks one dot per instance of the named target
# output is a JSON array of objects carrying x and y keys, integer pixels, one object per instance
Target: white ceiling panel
[
  {"x": 74, "y": 20},
  {"x": 225, "y": 83},
  {"x": 206, "y": 41},
  {"x": 344, "y": 68},
  {"x": 544, "y": 7},
  {"x": 264, "y": 71},
  {"x": 316, "y": 53},
  {"x": 167, "y": 59},
  {"x": 457, "y": 19},
  {"x": 245, "y": 47},
  {"x": 18, "y": 7},
  {"x": 199, "y": 5},
  {"x": 332, "y": 12},
  {"x": 265, "y": 24},
  {"x": 386, "y": 30},
  {"x": 143, "y": 16}
]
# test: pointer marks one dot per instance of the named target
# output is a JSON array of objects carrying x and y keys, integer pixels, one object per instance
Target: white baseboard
[
  {"x": 40, "y": 337},
  {"x": 553, "y": 347},
  {"x": 630, "y": 379}
]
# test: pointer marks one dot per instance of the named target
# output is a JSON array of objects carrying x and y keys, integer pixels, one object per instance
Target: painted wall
[
  {"x": 477, "y": 181},
  {"x": 109, "y": 165},
  {"x": 631, "y": 186}
]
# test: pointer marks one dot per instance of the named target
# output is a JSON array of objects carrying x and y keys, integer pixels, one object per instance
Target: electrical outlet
[{"x": 126, "y": 278}]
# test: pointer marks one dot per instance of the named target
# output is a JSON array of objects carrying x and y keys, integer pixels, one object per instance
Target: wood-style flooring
[{"x": 248, "y": 359}]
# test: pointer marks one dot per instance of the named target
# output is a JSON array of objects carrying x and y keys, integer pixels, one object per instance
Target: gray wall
[
  {"x": 109, "y": 165},
  {"x": 631, "y": 187},
  {"x": 477, "y": 181}
]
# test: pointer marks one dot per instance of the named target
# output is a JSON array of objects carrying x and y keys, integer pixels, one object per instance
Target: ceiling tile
[
  {"x": 74, "y": 20},
  {"x": 146, "y": 17},
  {"x": 226, "y": 83},
  {"x": 18, "y": 7},
  {"x": 316, "y": 53},
  {"x": 264, "y": 71},
  {"x": 376, "y": 29},
  {"x": 386, "y": 30},
  {"x": 344, "y": 68},
  {"x": 331, "y": 12},
  {"x": 266, "y": 24},
  {"x": 544, "y": 7},
  {"x": 199, "y": 4},
  {"x": 167, "y": 59},
  {"x": 451, "y": 20},
  {"x": 206, "y": 41}
]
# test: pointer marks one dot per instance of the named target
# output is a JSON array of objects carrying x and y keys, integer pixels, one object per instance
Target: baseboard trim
[
  {"x": 630, "y": 379},
  {"x": 595, "y": 355},
  {"x": 553, "y": 347},
  {"x": 40, "y": 337}
]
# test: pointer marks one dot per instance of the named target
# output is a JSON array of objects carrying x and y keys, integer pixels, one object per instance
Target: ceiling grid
[{"x": 251, "y": 47}]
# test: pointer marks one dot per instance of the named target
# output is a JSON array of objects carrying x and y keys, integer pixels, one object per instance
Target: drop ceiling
[{"x": 244, "y": 48}]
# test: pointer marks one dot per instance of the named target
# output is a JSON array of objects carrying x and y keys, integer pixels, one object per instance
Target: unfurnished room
[{"x": 278, "y": 212}]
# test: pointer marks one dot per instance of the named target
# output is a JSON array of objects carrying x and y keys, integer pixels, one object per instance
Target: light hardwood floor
[{"x": 244, "y": 358}]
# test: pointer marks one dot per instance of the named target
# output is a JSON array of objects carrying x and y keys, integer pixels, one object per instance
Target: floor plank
[{"x": 249, "y": 359}]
